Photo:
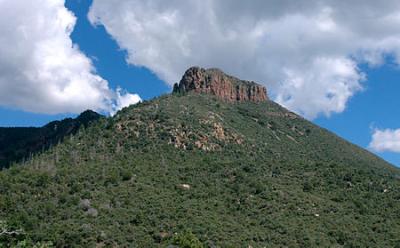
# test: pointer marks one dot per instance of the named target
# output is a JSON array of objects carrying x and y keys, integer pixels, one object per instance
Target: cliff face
[{"x": 216, "y": 82}]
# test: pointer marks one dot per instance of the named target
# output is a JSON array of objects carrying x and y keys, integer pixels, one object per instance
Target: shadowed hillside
[{"x": 18, "y": 143}]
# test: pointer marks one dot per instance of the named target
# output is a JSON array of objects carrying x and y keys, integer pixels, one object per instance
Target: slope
[
  {"x": 195, "y": 171},
  {"x": 17, "y": 143}
]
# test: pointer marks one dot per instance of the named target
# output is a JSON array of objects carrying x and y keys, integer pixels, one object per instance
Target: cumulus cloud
[
  {"x": 41, "y": 70},
  {"x": 123, "y": 100},
  {"x": 386, "y": 140},
  {"x": 306, "y": 52}
]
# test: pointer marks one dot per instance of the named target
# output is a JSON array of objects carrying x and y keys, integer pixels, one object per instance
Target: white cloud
[
  {"x": 124, "y": 99},
  {"x": 306, "y": 52},
  {"x": 387, "y": 140},
  {"x": 41, "y": 70}
]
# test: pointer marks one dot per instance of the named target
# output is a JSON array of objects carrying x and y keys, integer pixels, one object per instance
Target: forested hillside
[
  {"x": 191, "y": 170},
  {"x": 19, "y": 143}
]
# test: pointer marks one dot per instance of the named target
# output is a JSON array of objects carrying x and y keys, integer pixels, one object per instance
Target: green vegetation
[
  {"x": 19, "y": 143},
  {"x": 193, "y": 171},
  {"x": 17, "y": 238},
  {"x": 187, "y": 240}
]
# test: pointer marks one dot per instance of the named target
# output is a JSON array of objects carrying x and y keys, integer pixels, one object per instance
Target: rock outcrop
[{"x": 216, "y": 82}]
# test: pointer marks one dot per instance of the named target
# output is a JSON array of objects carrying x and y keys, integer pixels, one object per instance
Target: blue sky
[
  {"x": 375, "y": 107},
  {"x": 110, "y": 48}
]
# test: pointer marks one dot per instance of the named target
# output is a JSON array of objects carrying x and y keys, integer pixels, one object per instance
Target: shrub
[
  {"x": 126, "y": 175},
  {"x": 187, "y": 240}
]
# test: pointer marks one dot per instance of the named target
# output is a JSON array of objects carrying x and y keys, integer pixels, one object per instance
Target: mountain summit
[
  {"x": 214, "y": 165},
  {"x": 216, "y": 82}
]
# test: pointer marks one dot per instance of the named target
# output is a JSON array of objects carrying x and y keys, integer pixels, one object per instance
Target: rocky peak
[{"x": 216, "y": 82}]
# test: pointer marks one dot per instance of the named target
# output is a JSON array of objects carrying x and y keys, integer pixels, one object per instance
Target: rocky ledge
[{"x": 216, "y": 82}]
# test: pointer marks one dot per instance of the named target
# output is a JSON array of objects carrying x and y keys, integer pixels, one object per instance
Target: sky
[{"x": 336, "y": 63}]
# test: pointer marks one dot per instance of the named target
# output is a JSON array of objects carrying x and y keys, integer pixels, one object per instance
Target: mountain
[
  {"x": 215, "y": 82},
  {"x": 215, "y": 164},
  {"x": 18, "y": 143}
]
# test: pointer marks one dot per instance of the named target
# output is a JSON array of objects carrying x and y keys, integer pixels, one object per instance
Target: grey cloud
[{"x": 306, "y": 52}]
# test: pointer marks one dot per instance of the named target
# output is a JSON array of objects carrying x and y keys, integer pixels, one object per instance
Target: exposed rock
[
  {"x": 219, "y": 132},
  {"x": 85, "y": 204},
  {"x": 92, "y": 212},
  {"x": 184, "y": 186},
  {"x": 216, "y": 82}
]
